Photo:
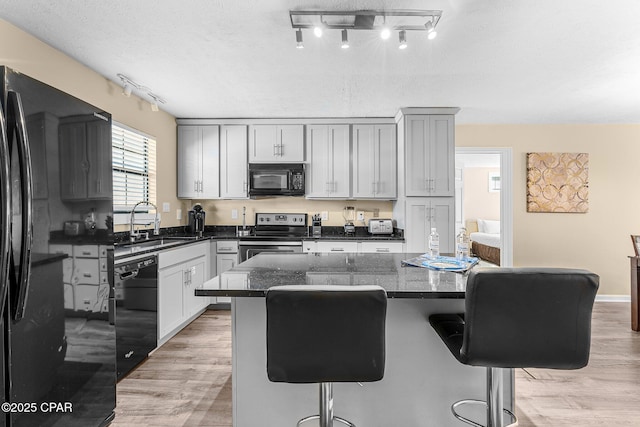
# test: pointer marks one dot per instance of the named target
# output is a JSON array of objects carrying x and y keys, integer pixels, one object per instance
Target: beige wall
[
  {"x": 598, "y": 240},
  {"x": 478, "y": 201},
  {"x": 34, "y": 58}
]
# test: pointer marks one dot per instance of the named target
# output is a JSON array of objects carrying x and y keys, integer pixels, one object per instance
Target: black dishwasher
[{"x": 136, "y": 295}]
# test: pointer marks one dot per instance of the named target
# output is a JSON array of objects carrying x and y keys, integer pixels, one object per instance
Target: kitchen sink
[{"x": 145, "y": 245}]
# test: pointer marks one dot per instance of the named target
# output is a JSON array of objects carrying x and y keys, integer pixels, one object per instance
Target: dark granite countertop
[
  {"x": 40, "y": 259},
  {"x": 226, "y": 232},
  {"x": 253, "y": 277}
]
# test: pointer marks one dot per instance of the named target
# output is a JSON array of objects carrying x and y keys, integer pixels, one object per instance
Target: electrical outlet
[
  {"x": 376, "y": 212},
  {"x": 166, "y": 207},
  {"x": 325, "y": 215},
  {"x": 360, "y": 215},
  {"x": 179, "y": 214},
  {"x": 234, "y": 213}
]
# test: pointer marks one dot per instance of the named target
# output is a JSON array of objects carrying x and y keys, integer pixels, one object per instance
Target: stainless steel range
[{"x": 275, "y": 232}]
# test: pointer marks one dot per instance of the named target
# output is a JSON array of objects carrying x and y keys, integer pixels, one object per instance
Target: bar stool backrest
[
  {"x": 528, "y": 317},
  {"x": 319, "y": 334}
]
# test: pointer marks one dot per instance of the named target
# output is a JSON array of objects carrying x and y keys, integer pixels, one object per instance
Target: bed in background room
[{"x": 485, "y": 239}]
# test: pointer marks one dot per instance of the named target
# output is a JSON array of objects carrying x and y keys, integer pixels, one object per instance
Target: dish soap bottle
[
  {"x": 434, "y": 244},
  {"x": 462, "y": 245}
]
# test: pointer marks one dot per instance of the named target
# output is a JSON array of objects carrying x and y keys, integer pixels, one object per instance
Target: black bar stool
[
  {"x": 519, "y": 318},
  {"x": 326, "y": 334}
]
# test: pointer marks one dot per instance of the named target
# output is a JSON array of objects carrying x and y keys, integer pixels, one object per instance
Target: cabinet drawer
[
  {"x": 381, "y": 247},
  {"x": 86, "y": 251},
  {"x": 86, "y": 271},
  {"x": 337, "y": 246},
  {"x": 102, "y": 251},
  {"x": 227, "y": 246},
  {"x": 309, "y": 246}
]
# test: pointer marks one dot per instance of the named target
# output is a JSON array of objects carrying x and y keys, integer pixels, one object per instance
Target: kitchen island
[{"x": 422, "y": 379}]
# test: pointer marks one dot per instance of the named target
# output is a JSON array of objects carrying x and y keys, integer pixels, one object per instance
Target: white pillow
[
  {"x": 481, "y": 226},
  {"x": 492, "y": 227}
]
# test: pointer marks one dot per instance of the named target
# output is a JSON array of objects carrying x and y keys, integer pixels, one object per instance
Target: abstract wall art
[{"x": 558, "y": 182}]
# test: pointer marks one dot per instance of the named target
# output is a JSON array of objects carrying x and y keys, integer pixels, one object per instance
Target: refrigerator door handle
[
  {"x": 16, "y": 122},
  {"x": 5, "y": 206}
]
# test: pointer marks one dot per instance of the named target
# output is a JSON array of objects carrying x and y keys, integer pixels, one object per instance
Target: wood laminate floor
[{"x": 187, "y": 382}]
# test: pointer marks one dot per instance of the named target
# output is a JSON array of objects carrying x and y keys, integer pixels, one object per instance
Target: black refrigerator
[{"x": 56, "y": 258}]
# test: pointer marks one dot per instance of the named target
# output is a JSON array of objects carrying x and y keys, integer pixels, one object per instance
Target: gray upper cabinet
[
  {"x": 374, "y": 162},
  {"x": 276, "y": 144},
  {"x": 233, "y": 162},
  {"x": 198, "y": 162},
  {"x": 327, "y": 174},
  {"x": 429, "y": 155}
]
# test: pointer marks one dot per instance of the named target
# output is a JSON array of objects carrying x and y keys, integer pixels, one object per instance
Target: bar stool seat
[
  {"x": 326, "y": 334},
  {"x": 519, "y": 318}
]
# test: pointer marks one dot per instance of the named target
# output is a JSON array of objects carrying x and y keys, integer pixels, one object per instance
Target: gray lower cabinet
[
  {"x": 423, "y": 213},
  {"x": 180, "y": 272}
]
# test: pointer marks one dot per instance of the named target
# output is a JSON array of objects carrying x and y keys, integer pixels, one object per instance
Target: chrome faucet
[{"x": 133, "y": 234}]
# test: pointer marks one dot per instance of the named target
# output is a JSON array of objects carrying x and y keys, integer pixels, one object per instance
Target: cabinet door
[
  {"x": 441, "y": 156},
  {"x": 276, "y": 144},
  {"x": 424, "y": 213},
  {"x": 386, "y": 165},
  {"x": 233, "y": 162},
  {"x": 100, "y": 174},
  {"x": 291, "y": 142},
  {"x": 210, "y": 163},
  {"x": 73, "y": 161},
  {"x": 374, "y": 158},
  {"x": 263, "y": 143},
  {"x": 328, "y": 155},
  {"x": 170, "y": 299},
  {"x": 417, "y": 155},
  {"x": 429, "y": 155},
  {"x": 195, "y": 271},
  {"x": 189, "y": 162}
]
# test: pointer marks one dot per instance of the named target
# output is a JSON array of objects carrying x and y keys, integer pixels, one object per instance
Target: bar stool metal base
[
  {"x": 475, "y": 424},
  {"x": 495, "y": 410},
  {"x": 326, "y": 416}
]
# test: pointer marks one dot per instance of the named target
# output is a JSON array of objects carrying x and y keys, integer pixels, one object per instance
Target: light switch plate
[
  {"x": 234, "y": 213},
  {"x": 178, "y": 213},
  {"x": 166, "y": 207},
  {"x": 325, "y": 215}
]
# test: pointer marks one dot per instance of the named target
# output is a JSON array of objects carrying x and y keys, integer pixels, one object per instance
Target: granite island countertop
[{"x": 253, "y": 277}]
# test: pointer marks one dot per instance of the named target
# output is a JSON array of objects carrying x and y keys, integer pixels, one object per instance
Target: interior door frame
[{"x": 506, "y": 197}]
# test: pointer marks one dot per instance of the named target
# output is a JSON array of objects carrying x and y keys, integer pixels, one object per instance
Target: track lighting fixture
[
  {"x": 431, "y": 30},
  {"x": 345, "y": 40},
  {"x": 129, "y": 85},
  {"x": 402, "y": 35},
  {"x": 299, "y": 44},
  {"x": 382, "y": 21}
]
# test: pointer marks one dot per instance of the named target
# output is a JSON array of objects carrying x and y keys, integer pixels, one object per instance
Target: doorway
[{"x": 496, "y": 166}]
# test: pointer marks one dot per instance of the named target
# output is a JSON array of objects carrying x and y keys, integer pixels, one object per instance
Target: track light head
[
  {"x": 402, "y": 35},
  {"x": 154, "y": 106},
  {"x": 126, "y": 90},
  {"x": 299, "y": 43},
  {"x": 345, "y": 40},
  {"x": 431, "y": 30}
]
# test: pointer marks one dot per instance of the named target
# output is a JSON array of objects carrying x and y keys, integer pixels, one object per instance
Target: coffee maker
[{"x": 196, "y": 220}]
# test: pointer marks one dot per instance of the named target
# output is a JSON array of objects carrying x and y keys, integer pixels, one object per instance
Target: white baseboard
[{"x": 613, "y": 298}]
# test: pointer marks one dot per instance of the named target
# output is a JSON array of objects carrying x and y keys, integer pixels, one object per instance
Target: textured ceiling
[{"x": 500, "y": 61}]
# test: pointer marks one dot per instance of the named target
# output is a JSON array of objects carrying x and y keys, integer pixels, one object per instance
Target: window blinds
[{"x": 134, "y": 169}]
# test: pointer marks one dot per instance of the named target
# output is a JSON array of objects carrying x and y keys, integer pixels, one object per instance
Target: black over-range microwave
[{"x": 279, "y": 179}]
